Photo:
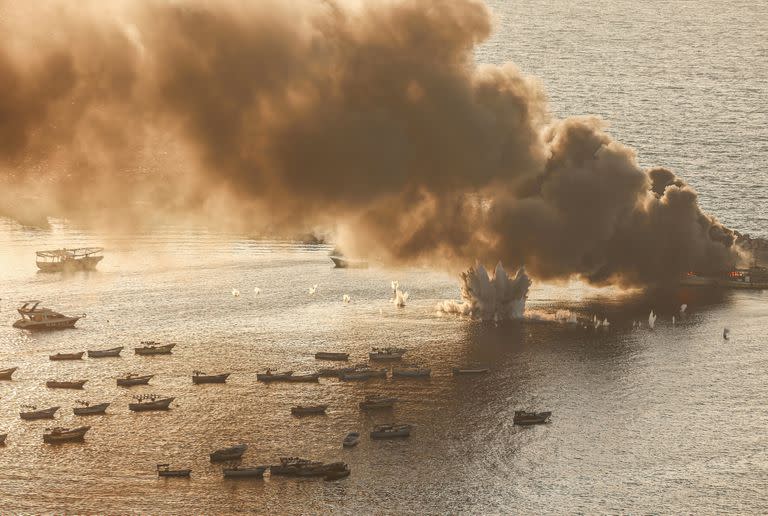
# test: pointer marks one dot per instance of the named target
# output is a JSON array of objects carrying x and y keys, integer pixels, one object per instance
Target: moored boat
[
  {"x": 468, "y": 370},
  {"x": 327, "y": 355},
  {"x": 376, "y": 401},
  {"x": 133, "y": 379},
  {"x": 6, "y": 374},
  {"x": 34, "y": 318},
  {"x": 103, "y": 353},
  {"x": 147, "y": 402},
  {"x": 201, "y": 377},
  {"x": 74, "y": 384},
  {"x": 34, "y": 413},
  {"x": 231, "y": 453},
  {"x": 86, "y": 409},
  {"x": 296, "y": 467},
  {"x": 388, "y": 353},
  {"x": 245, "y": 472},
  {"x": 351, "y": 439},
  {"x": 66, "y": 260},
  {"x": 308, "y": 410},
  {"x": 411, "y": 372},
  {"x": 63, "y": 435},
  {"x": 269, "y": 376},
  {"x": 153, "y": 348},
  {"x": 163, "y": 470},
  {"x": 305, "y": 378},
  {"x": 67, "y": 356},
  {"x": 530, "y": 418},
  {"x": 390, "y": 431}
]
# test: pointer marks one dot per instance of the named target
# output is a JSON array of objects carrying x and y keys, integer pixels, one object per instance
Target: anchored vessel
[
  {"x": 33, "y": 413},
  {"x": 86, "y": 409},
  {"x": 59, "y": 260},
  {"x": 460, "y": 371},
  {"x": 34, "y": 318},
  {"x": 269, "y": 376},
  {"x": 530, "y": 418},
  {"x": 390, "y": 431},
  {"x": 364, "y": 373},
  {"x": 74, "y": 384},
  {"x": 376, "y": 401},
  {"x": 201, "y": 377},
  {"x": 101, "y": 353},
  {"x": 67, "y": 356},
  {"x": 351, "y": 439},
  {"x": 63, "y": 435},
  {"x": 163, "y": 470},
  {"x": 151, "y": 347},
  {"x": 245, "y": 472},
  {"x": 386, "y": 353},
  {"x": 308, "y": 410},
  {"x": 133, "y": 379},
  {"x": 232, "y": 453},
  {"x": 147, "y": 402},
  {"x": 327, "y": 355},
  {"x": 296, "y": 467}
]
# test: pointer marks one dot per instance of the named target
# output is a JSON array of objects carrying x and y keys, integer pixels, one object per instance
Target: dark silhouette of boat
[
  {"x": 146, "y": 402},
  {"x": 163, "y": 470},
  {"x": 245, "y": 472},
  {"x": 33, "y": 413},
  {"x": 376, "y": 401},
  {"x": 327, "y": 355},
  {"x": 390, "y": 431},
  {"x": 269, "y": 376},
  {"x": 63, "y": 435},
  {"x": 6, "y": 374},
  {"x": 200, "y": 377},
  {"x": 102, "y": 353},
  {"x": 86, "y": 409},
  {"x": 154, "y": 348},
  {"x": 309, "y": 410},
  {"x": 530, "y": 418},
  {"x": 132, "y": 379},
  {"x": 73, "y": 384}
]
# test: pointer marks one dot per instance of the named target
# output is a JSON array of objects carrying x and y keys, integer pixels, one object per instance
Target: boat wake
[{"x": 490, "y": 297}]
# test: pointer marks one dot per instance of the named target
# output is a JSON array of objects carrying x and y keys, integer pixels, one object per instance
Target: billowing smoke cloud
[{"x": 370, "y": 119}]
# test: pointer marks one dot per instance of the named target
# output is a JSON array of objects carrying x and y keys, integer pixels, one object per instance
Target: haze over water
[{"x": 671, "y": 420}]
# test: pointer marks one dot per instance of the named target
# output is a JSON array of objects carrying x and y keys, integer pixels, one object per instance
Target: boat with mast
[
  {"x": 66, "y": 260},
  {"x": 63, "y": 435}
]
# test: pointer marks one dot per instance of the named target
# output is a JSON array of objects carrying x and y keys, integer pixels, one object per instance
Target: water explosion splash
[{"x": 488, "y": 296}]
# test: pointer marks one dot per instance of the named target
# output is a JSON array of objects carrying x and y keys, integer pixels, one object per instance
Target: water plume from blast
[
  {"x": 490, "y": 297},
  {"x": 370, "y": 119}
]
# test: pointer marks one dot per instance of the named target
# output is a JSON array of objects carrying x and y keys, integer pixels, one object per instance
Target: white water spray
[{"x": 651, "y": 320}]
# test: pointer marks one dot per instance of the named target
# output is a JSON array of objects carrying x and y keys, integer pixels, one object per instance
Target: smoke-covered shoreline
[{"x": 370, "y": 120}]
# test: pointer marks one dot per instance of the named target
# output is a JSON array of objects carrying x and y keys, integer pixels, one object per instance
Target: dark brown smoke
[{"x": 369, "y": 119}]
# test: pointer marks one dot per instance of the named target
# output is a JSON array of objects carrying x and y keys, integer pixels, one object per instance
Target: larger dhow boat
[
  {"x": 145, "y": 402},
  {"x": 64, "y": 260},
  {"x": 36, "y": 318},
  {"x": 64, "y": 435}
]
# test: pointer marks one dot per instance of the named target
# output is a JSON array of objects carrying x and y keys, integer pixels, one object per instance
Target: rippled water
[{"x": 670, "y": 421}]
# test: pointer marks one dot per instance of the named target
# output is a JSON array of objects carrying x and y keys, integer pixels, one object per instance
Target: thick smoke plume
[{"x": 370, "y": 119}]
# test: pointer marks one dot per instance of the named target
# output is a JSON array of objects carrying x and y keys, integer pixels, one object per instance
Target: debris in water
[
  {"x": 257, "y": 290},
  {"x": 313, "y": 289},
  {"x": 346, "y": 299},
  {"x": 235, "y": 292}
]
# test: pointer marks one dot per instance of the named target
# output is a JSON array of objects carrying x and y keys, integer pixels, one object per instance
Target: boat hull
[
  {"x": 309, "y": 411},
  {"x": 459, "y": 372},
  {"x": 175, "y": 473},
  {"x": 65, "y": 385},
  {"x": 245, "y": 472},
  {"x": 339, "y": 357},
  {"x": 129, "y": 382},
  {"x": 58, "y": 324},
  {"x": 411, "y": 373},
  {"x": 160, "y": 350},
  {"x": 87, "y": 263},
  {"x": 77, "y": 434},
  {"x": 152, "y": 405},
  {"x": 67, "y": 356},
  {"x": 226, "y": 454},
  {"x": 219, "y": 378},
  {"x": 40, "y": 414},
  {"x": 531, "y": 419},
  {"x": 91, "y": 410},
  {"x": 114, "y": 352},
  {"x": 6, "y": 374}
]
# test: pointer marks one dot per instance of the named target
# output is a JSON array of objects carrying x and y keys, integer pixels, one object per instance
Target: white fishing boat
[
  {"x": 34, "y": 413},
  {"x": 72, "y": 384},
  {"x": 153, "y": 348},
  {"x": 411, "y": 372},
  {"x": 103, "y": 353},
  {"x": 36, "y": 318},
  {"x": 132, "y": 379},
  {"x": 231, "y": 453},
  {"x": 147, "y": 402},
  {"x": 66, "y": 260},
  {"x": 63, "y": 435},
  {"x": 375, "y": 401},
  {"x": 390, "y": 431},
  {"x": 86, "y": 409},
  {"x": 200, "y": 377},
  {"x": 351, "y": 439}
]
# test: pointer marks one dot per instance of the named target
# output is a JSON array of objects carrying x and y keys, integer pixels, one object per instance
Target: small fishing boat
[
  {"x": 530, "y": 418},
  {"x": 74, "y": 384},
  {"x": 133, "y": 379},
  {"x": 337, "y": 474},
  {"x": 201, "y": 377},
  {"x": 390, "y": 431},
  {"x": 67, "y": 356},
  {"x": 34, "y": 318},
  {"x": 305, "y": 378},
  {"x": 231, "y": 453},
  {"x": 386, "y": 353},
  {"x": 103, "y": 353},
  {"x": 468, "y": 371},
  {"x": 163, "y": 470},
  {"x": 376, "y": 401},
  {"x": 245, "y": 472},
  {"x": 411, "y": 372},
  {"x": 67, "y": 260},
  {"x": 6, "y": 374},
  {"x": 308, "y": 410},
  {"x": 64, "y": 435},
  {"x": 327, "y": 355},
  {"x": 154, "y": 348},
  {"x": 351, "y": 439},
  {"x": 296, "y": 467},
  {"x": 3, "y": 437},
  {"x": 269, "y": 376},
  {"x": 86, "y": 409},
  {"x": 33, "y": 413},
  {"x": 147, "y": 402},
  {"x": 363, "y": 374}
]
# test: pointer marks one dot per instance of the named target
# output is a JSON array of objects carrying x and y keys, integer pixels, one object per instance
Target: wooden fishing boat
[
  {"x": 363, "y": 374},
  {"x": 64, "y": 435},
  {"x": 86, "y": 409},
  {"x": 133, "y": 379},
  {"x": 154, "y": 348},
  {"x": 308, "y": 410},
  {"x": 33, "y": 413},
  {"x": 351, "y": 439},
  {"x": 390, "y": 431},
  {"x": 163, "y": 470},
  {"x": 67, "y": 260},
  {"x": 232, "y": 453},
  {"x": 386, "y": 353},
  {"x": 74, "y": 384},
  {"x": 296, "y": 467},
  {"x": 469, "y": 371},
  {"x": 103, "y": 353},
  {"x": 530, "y": 418},
  {"x": 375, "y": 401},
  {"x": 34, "y": 318},
  {"x": 303, "y": 378},
  {"x": 269, "y": 376},
  {"x": 201, "y": 377},
  {"x": 6, "y": 374},
  {"x": 327, "y": 355},
  {"x": 3, "y": 437},
  {"x": 245, "y": 472},
  {"x": 147, "y": 402},
  {"x": 411, "y": 372},
  {"x": 67, "y": 356}
]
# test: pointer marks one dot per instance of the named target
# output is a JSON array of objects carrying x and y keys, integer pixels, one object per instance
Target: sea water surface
[{"x": 669, "y": 420}]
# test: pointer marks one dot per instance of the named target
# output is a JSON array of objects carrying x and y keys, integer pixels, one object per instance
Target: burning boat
[{"x": 60, "y": 260}]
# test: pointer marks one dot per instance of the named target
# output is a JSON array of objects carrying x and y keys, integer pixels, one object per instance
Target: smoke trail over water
[{"x": 369, "y": 119}]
